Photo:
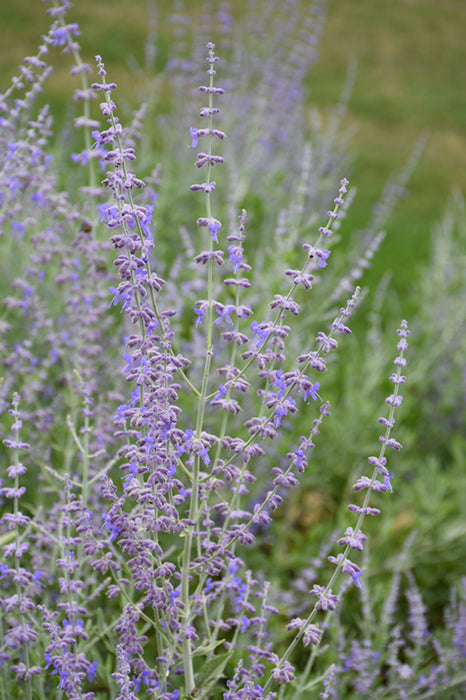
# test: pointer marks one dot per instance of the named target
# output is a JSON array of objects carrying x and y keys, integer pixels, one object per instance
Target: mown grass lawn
[{"x": 411, "y": 78}]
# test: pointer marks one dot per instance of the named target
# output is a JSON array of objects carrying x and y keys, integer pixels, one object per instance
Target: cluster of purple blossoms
[
  {"x": 187, "y": 480},
  {"x": 157, "y": 513},
  {"x": 353, "y": 538}
]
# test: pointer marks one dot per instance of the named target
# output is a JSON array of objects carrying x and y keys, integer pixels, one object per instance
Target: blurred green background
[{"x": 411, "y": 78}]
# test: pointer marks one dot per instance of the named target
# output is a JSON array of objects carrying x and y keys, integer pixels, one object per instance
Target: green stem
[{"x": 201, "y": 405}]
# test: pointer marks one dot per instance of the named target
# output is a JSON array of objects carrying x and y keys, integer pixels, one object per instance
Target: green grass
[{"x": 411, "y": 57}]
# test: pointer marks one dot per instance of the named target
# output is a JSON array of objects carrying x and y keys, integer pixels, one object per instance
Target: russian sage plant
[{"x": 134, "y": 498}]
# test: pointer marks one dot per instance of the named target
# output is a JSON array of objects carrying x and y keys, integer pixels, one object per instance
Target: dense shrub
[{"x": 164, "y": 356}]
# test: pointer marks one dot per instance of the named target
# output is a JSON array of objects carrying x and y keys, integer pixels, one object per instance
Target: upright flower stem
[{"x": 201, "y": 404}]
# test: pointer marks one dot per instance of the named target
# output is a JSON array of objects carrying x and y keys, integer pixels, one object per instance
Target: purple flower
[
  {"x": 283, "y": 672},
  {"x": 387, "y": 481},
  {"x": 213, "y": 225},
  {"x": 60, "y": 35},
  {"x": 261, "y": 333},
  {"x": 194, "y": 135},
  {"x": 354, "y": 539},
  {"x": 323, "y": 257},
  {"x": 348, "y": 567},
  {"x": 37, "y": 576},
  {"x": 200, "y": 316},
  {"x": 312, "y": 391},
  {"x": 224, "y": 314},
  {"x": 235, "y": 256},
  {"x": 282, "y": 410},
  {"x": 327, "y": 600},
  {"x": 120, "y": 296},
  {"x": 312, "y": 635},
  {"x": 222, "y": 391},
  {"x": 214, "y": 228},
  {"x": 279, "y": 382},
  {"x": 204, "y": 455}
]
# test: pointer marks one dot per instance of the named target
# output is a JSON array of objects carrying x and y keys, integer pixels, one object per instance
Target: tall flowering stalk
[
  {"x": 179, "y": 477},
  {"x": 353, "y": 538},
  {"x": 17, "y": 634},
  {"x": 209, "y": 160}
]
